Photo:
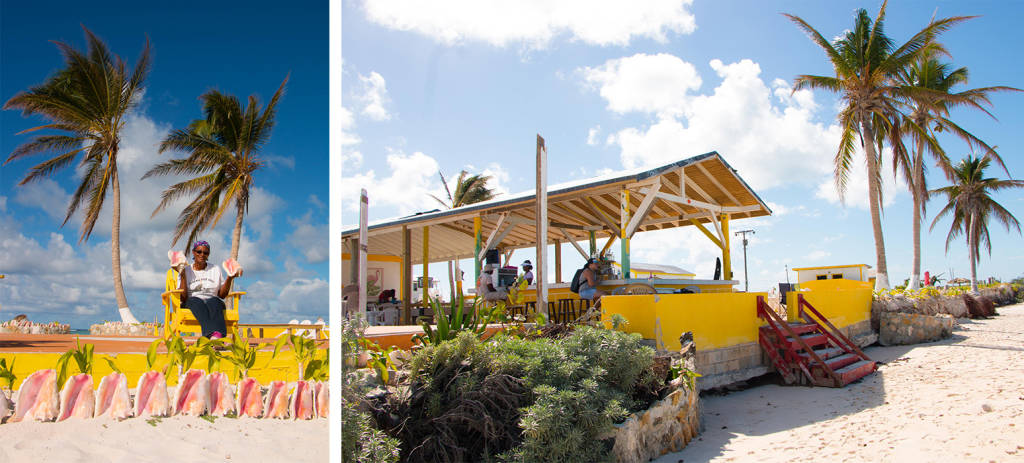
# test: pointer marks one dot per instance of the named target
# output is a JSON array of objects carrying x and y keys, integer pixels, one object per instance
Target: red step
[
  {"x": 835, "y": 360},
  {"x": 855, "y": 371}
]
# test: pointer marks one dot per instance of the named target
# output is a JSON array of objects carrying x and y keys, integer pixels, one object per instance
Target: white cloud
[
  {"x": 645, "y": 83},
  {"x": 534, "y": 24},
  {"x": 45, "y": 194},
  {"x": 592, "y": 135},
  {"x": 374, "y": 97},
  {"x": 407, "y": 188},
  {"x": 818, "y": 255},
  {"x": 769, "y": 136},
  {"x": 309, "y": 238}
]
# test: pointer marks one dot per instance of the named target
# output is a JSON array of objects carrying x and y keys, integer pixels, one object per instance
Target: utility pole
[{"x": 746, "y": 280}]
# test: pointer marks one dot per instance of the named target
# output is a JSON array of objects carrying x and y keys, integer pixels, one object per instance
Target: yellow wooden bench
[{"x": 178, "y": 319}]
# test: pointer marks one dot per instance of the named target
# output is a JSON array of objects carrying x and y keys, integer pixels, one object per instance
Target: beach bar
[{"x": 598, "y": 217}]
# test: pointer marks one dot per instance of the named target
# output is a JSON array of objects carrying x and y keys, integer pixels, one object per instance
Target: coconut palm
[
  {"x": 223, "y": 150},
  {"x": 970, "y": 202},
  {"x": 469, "y": 189},
  {"x": 930, "y": 82},
  {"x": 865, "y": 60},
  {"x": 88, "y": 101}
]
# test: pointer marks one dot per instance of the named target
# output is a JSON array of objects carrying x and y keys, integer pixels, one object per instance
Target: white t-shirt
[{"x": 204, "y": 283}]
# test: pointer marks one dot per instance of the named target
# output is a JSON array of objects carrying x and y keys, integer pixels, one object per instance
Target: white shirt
[{"x": 204, "y": 283}]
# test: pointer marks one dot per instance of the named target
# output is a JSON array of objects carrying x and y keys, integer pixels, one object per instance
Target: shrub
[
  {"x": 519, "y": 399},
  {"x": 361, "y": 442}
]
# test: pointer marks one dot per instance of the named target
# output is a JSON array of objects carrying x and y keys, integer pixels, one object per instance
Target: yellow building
[{"x": 855, "y": 272}]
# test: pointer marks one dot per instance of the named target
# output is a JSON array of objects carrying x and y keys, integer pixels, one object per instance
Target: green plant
[
  {"x": 361, "y": 442},
  {"x": 448, "y": 327},
  {"x": 110, "y": 362},
  {"x": 243, "y": 355},
  {"x": 304, "y": 350},
  {"x": 519, "y": 399},
  {"x": 82, "y": 356},
  {"x": 7, "y": 373},
  {"x": 689, "y": 376}
]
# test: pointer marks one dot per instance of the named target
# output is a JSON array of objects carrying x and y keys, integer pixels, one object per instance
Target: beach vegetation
[
  {"x": 86, "y": 102},
  {"x": 866, "y": 62},
  {"x": 363, "y": 443},
  {"x": 7, "y": 373},
  {"x": 970, "y": 203},
  {"x": 448, "y": 326},
  {"x": 242, "y": 354},
  {"x": 513, "y": 398},
  {"x": 223, "y": 154},
  {"x": 304, "y": 350},
  {"x": 83, "y": 357}
]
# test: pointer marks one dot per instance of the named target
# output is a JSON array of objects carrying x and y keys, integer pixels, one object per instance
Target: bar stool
[
  {"x": 567, "y": 309},
  {"x": 553, "y": 312}
]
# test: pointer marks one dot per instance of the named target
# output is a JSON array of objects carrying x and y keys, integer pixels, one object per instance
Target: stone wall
[
  {"x": 668, "y": 424},
  {"x": 727, "y": 365},
  {"x": 123, "y": 329},
  {"x": 908, "y": 328},
  {"x": 951, "y": 305},
  {"x": 27, "y": 327}
]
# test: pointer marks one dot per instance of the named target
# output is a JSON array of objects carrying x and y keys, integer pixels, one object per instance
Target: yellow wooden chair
[{"x": 178, "y": 319}]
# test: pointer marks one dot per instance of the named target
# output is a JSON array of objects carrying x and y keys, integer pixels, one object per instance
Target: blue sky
[
  {"x": 443, "y": 87},
  {"x": 241, "y": 48}
]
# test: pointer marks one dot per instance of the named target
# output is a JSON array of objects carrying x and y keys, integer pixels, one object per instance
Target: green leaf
[
  {"x": 151, "y": 353},
  {"x": 113, "y": 366}
]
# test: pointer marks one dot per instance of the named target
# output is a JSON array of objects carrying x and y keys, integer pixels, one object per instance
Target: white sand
[
  {"x": 177, "y": 439},
  {"x": 960, "y": 399}
]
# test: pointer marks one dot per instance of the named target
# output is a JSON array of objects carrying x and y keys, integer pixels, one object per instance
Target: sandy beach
[
  {"x": 960, "y": 399},
  {"x": 178, "y": 439}
]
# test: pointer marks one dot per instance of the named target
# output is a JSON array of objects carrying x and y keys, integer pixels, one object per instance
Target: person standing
[{"x": 528, "y": 269}]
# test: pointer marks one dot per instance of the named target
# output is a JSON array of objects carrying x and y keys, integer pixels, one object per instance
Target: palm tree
[
  {"x": 469, "y": 189},
  {"x": 930, "y": 82},
  {"x": 223, "y": 150},
  {"x": 88, "y": 101},
  {"x": 970, "y": 202},
  {"x": 865, "y": 60}
]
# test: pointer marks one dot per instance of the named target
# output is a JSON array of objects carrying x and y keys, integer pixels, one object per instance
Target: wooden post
[
  {"x": 624, "y": 217},
  {"x": 477, "y": 229},
  {"x": 558, "y": 261},
  {"x": 593, "y": 244},
  {"x": 542, "y": 224},
  {"x": 726, "y": 257},
  {"x": 406, "y": 276},
  {"x": 353, "y": 261},
  {"x": 364, "y": 204},
  {"x": 426, "y": 264},
  {"x": 458, "y": 279}
]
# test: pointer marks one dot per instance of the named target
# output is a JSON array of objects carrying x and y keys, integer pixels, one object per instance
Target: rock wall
[
  {"x": 909, "y": 328},
  {"x": 727, "y": 365},
  {"x": 27, "y": 327},
  {"x": 955, "y": 305},
  {"x": 123, "y": 329},
  {"x": 668, "y": 424}
]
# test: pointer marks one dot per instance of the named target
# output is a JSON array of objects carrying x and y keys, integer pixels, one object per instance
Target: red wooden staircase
[{"x": 811, "y": 353}]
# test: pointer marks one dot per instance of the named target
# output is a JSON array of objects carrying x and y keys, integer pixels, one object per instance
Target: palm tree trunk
[
  {"x": 236, "y": 235},
  {"x": 115, "y": 247},
  {"x": 881, "y": 272},
  {"x": 972, "y": 252},
  {"x": 917, "y": 192},
  {"x": 915, "y": 281}
]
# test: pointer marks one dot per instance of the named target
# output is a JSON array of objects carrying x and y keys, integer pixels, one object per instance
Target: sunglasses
[{"x": 201, "y": 252}]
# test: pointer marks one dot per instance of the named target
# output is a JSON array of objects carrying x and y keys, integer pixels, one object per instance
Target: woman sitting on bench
[{"x": 204, "y": 289}]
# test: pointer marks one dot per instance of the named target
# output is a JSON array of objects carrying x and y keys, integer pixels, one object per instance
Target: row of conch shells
[{"x": 197, "y": 394}]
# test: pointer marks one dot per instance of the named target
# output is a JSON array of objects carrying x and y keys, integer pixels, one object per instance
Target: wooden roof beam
[
  {"x": 574, "y": 244},
  {"x": 643, "y": 209},
  {"x": 718, "y": 185},
  {"x": 601, "y": 215}
]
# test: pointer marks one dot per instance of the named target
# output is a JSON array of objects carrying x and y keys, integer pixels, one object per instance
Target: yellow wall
[
  {"x": 844, "y": 303},
  {"x": 133, "y": 366},
  {"x": 717, "y": 319}
]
